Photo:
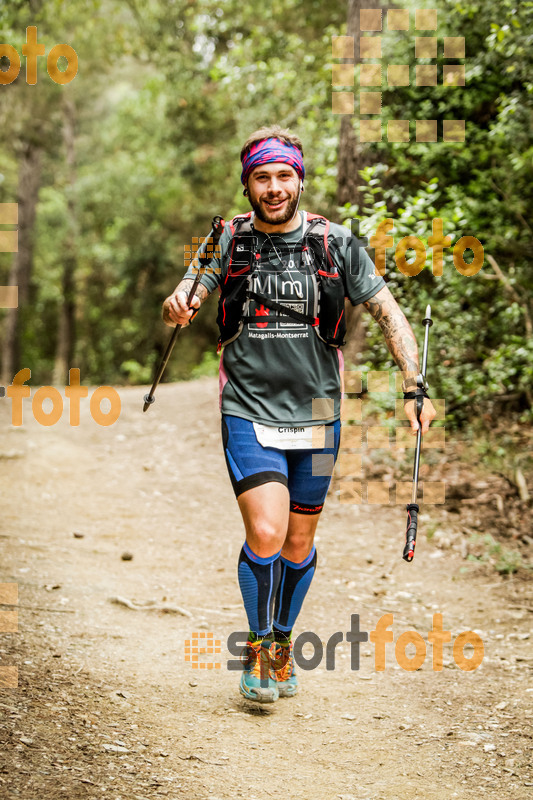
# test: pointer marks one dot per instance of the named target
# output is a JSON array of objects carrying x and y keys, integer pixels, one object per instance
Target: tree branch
[{"x": 512, "y": 291}]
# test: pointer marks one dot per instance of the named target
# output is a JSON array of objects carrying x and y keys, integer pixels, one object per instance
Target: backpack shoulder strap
[
  {"x": 318, "y": 228},
  {"x": 241, "y": 245},
  {"x": 242, "y": 223}
]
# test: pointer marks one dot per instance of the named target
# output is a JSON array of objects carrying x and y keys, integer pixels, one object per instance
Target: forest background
[{"x": 116, "y": 172}]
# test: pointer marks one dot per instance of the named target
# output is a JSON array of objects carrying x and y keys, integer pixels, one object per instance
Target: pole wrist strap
[{"x": 420, "y": 391}]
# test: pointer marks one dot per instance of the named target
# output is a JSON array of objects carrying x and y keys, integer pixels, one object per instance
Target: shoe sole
[
  {"x": 259, "y": 694},
  {"x": 288, "y": 691}
]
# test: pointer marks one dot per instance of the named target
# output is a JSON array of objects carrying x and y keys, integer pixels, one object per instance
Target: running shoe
[
  {"x": 283, "y": 666},
  {"x": 258, "y": 681}
]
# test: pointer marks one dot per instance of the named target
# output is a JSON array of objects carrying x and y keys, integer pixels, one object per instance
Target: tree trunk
[
  {"x": 65, "y": 336},
  {"x": 352, "y": 158},
  {"x": 22, "y": 265}
]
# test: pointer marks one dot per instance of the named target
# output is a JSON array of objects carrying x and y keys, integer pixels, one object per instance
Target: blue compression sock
[
  {"x": 294, "y": 584},
  {"x": 259, "y": 580}
]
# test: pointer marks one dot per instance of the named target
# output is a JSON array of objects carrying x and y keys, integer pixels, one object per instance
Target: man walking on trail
[{"x": 283, "y": 275}]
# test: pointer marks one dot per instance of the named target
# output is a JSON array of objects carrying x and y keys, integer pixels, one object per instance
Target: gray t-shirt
[{"x": 282, "y": 373}]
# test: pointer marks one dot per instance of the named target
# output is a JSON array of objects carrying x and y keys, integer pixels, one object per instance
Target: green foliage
[
  {"x": 481, "y": 351},
  {"x": 137, "y": 373},
  {"x": 504, "y": 560},
  {"x": 507, "y": 449},
  {"x": 208, "y": 367}
]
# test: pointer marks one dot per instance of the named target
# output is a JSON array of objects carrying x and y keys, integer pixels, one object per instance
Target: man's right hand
[{"x": 176, "y": 310}]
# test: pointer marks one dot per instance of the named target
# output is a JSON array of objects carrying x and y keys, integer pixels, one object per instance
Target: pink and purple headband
[{"x": 268, "y": 150}]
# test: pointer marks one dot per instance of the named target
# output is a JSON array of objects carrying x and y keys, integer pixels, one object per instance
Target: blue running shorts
[{"x": 306, "y": 473}]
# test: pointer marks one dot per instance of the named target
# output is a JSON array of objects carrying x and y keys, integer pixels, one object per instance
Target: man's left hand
[{"x": 427, "y": 415}]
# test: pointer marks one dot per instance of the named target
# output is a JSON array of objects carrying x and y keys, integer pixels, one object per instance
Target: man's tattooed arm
[{"x": 398, "y": 333}]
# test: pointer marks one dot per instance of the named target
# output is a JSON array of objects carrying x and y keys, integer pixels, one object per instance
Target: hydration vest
[{"x": 236, "y": 289}]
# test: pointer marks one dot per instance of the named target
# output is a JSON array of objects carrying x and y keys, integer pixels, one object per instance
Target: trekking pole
[
  {"x": 212, "y": 238},
  {"x": 412, "y": 507}
]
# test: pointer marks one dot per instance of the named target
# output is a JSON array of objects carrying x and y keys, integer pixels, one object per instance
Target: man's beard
[{"x": 292, "y": 205}]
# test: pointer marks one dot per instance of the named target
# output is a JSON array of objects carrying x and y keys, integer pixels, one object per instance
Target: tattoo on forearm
[
  {"x": 396, "y": 329},
  {"x": 186, "y": 286},
  {"x": 375, "y": 306}
]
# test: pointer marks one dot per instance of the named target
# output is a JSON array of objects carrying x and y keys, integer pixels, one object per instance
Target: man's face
[{"x": 274, "y": 190}]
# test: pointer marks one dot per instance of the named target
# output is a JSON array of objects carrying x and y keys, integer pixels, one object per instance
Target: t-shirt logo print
[
  {"x": 262, "y": 312},
  {"x": 279, "y": 277}
]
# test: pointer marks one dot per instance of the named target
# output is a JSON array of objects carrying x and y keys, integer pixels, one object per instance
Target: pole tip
[
  {"x": 148, "y": 400},
  {"x": 428, "y": 311}
]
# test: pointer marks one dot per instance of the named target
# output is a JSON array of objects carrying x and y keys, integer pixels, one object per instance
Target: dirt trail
[{"x": 107, "y": 706}]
